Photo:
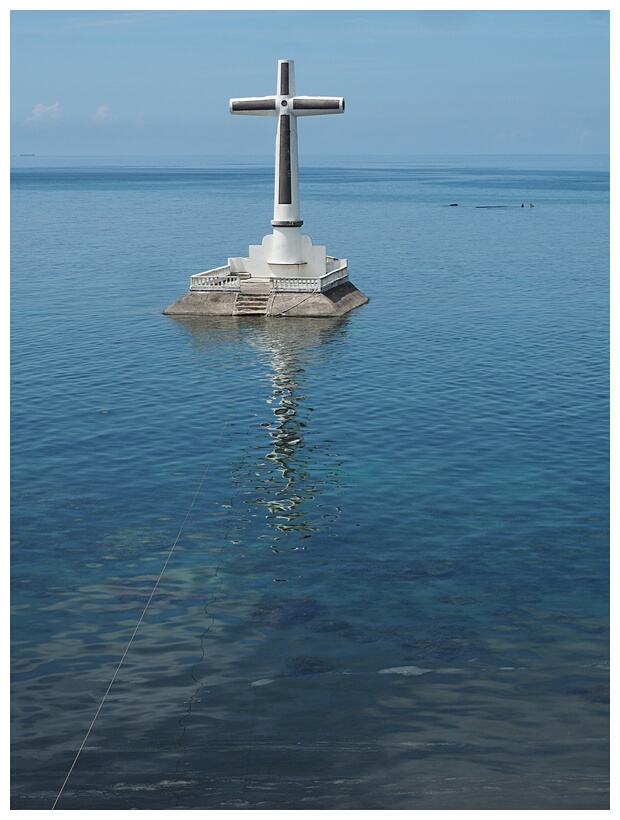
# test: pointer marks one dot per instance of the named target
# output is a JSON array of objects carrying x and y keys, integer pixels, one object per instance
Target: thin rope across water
[{"x": 141, "y": 618}]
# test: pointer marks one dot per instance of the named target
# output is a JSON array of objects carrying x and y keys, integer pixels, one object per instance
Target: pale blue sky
[{"x": 415, "y": 82}]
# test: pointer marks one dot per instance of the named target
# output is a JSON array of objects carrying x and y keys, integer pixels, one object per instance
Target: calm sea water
[{"x": 381, "y": 542}]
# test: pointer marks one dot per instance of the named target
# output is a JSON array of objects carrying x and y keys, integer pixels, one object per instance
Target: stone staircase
[
  {"x": 251, "y": 304},
  {"x": 253, "y": 298}
]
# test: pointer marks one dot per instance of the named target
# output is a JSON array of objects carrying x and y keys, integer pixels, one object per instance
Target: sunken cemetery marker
[{"x": 286, "y": 275}]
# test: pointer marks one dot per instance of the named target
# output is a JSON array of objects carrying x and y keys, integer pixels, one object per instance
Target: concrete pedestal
[{"x": 335, "y": 302}]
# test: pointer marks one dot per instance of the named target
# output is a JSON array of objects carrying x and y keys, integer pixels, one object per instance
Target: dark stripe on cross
[
  {"x": 287, "y": 223},
  {"x": 284, "y": 79},
  {"x": 254, "y": 105},
  {"x": 315, "y": 103},
  {"x": 284, "y": 176}
]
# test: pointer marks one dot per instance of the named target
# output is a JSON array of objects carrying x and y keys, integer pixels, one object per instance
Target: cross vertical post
[{"x": 287, "y": 247}]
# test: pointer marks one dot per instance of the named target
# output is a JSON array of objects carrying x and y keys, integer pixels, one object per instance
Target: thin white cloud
[
  {"x": 45, "y": 113},
  {"x": 116, "y": 17},
  {"x": 103, "y": 114},
  {"x": 30, "y": 22}
]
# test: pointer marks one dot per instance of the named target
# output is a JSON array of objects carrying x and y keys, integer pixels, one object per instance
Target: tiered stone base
[{"x": 335, "y": 302}]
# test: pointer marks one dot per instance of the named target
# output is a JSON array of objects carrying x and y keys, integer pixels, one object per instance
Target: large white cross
[{"x": 287, "y": 106}]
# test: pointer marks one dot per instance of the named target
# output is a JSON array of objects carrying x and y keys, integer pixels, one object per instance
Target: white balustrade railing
[
  {"x": 223, "y": 279},
  {"x": 317, "y": 285},
  {"x": 329, "y": 280},
  {"x": 292, "y": 284},
  {"x": 219, "y": 278}
]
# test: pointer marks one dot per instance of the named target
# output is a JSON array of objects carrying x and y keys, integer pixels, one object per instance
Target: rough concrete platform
[{"x": 335, "y": 302}]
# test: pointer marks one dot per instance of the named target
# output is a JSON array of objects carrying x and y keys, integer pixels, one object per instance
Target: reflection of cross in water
[
  {"x": 288, "y": 441},
  {"x": 292, "y": 477},
  {"x": 296, "y": 482}
]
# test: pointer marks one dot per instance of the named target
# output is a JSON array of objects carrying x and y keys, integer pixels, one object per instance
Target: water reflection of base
[{"x": 286, "y": 483}]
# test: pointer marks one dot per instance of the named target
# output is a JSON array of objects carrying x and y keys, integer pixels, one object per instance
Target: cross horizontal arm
[
  {"x": 265, "y": 106},
  {"x": 304, "y": 106}
]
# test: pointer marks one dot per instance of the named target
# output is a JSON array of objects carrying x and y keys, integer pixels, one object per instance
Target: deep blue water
[{"x": 420, "y": 485}]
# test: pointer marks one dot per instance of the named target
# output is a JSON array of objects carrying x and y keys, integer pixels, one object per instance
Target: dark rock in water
[
  {"x": 427, "y": 569},
  {"x": 329, "y": 626},
  {"x": 574, "y": 685},
  {"x": 457, "y": 600},
  {"x": 286, "y": 612},
  {"x": 307, "y": 665},
  {"x": 342, "y": 628},
  {"x": 599, "y": 693},
  {"x": 441, "y": 644},
  {"x": 444, "y": 648},
  {"x": 357, "y": 635}
]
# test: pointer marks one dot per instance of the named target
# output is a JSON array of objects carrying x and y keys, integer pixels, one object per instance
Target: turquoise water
[{"x": 421, "y": 486}]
